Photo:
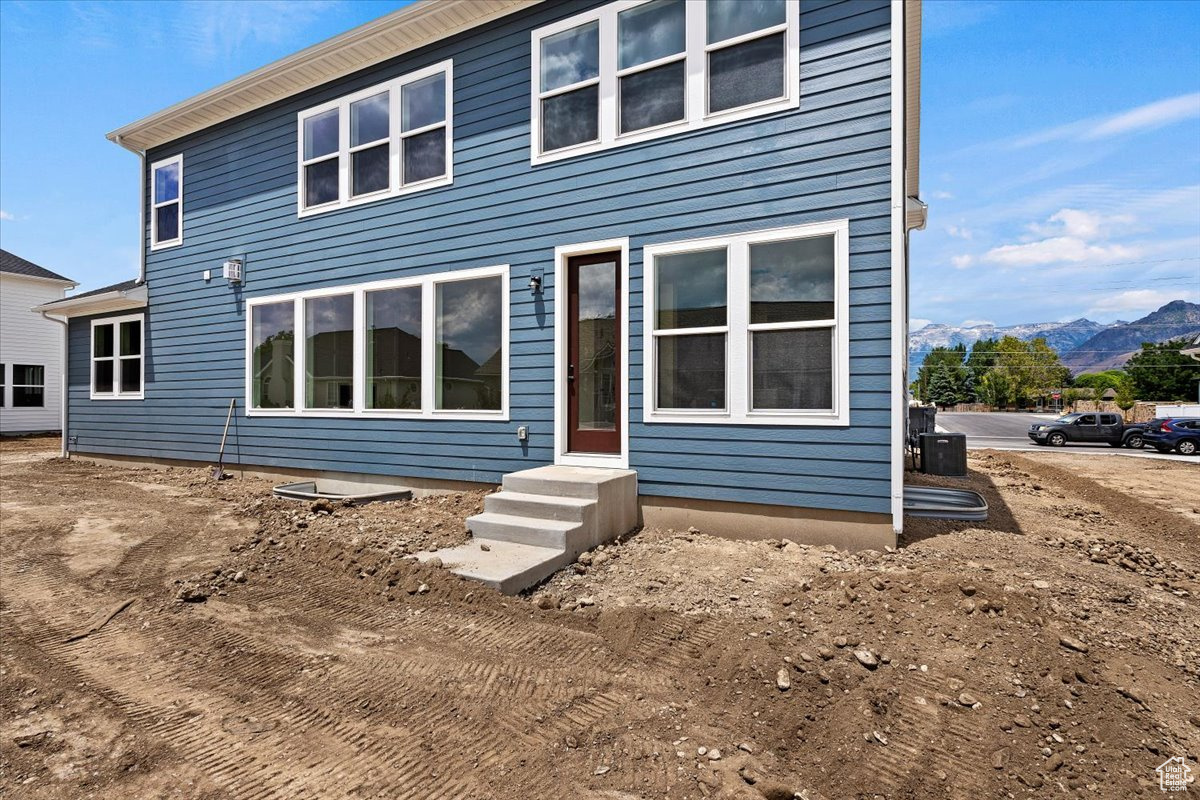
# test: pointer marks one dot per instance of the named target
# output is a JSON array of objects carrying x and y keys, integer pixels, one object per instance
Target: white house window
[
  {"x": 633, "y": 70},
  {"x": 28, "y": 385},
  {"x": 166, "y": 212},
  {"x": 750, "y": 329},
  {"x": 427, "y": 346},
  {"x": 117, "y": 363},
  {"x": 380, "y": 142}
]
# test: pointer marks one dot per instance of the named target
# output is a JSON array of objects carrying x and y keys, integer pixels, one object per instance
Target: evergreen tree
[{"x": 1161, "y": 372}]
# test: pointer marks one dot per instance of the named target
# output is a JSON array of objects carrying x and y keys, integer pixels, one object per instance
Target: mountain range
[{"x": 1083, "y": 345}]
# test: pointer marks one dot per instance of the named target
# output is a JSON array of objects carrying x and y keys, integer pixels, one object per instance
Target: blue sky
[{"x": 1060, "y": 141}]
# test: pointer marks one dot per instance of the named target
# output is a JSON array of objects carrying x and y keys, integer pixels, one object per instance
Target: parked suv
[
  {"x": 1181, "y": 435},
  {"x": 1086, "y": 428}
]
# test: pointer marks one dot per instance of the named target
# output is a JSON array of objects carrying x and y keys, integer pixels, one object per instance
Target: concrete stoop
[{"x": 540, "y": 521}]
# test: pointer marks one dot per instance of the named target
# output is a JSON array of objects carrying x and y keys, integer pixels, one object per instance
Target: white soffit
[
  {"x": 912, "y": 97},
  {"x": 401, "y": 31}
]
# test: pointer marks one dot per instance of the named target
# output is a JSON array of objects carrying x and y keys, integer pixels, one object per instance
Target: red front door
[{"x": 593, "y": 353}]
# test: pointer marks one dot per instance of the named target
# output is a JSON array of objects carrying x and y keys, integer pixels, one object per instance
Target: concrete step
[
  {"x": 539, "y": 506},
  {"x": 524, "y": 530},
  {"x": 560, "y": 481},
  {"x": 506, "y": 566}
]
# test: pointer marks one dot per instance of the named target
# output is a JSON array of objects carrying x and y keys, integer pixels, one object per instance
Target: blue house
[{"x": 657, "y": 240}]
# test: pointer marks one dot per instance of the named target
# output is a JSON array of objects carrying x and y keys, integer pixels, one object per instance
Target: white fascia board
[{"x": 107, "y": 303}]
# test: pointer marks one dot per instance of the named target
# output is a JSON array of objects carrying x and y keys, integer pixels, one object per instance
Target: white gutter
[
  {"x": 63, "y": 381},
  {"x": 105, "y": 303}
]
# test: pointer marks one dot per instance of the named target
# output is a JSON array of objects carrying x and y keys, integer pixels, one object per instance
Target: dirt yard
[{"x": 165, "y": 636}]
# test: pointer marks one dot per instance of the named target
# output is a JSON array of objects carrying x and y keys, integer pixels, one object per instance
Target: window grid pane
[
  {"x": 691, "y": 289},
  {"x": 653, "y": 97},
  {"x": 321, "y": 134},
  {"x": 329, "y": 352},
  {"x": 369, "y": 119},
  {"x": 747, "y": 73},
  {"x": 793, "y": 369},
  {"x": 571, "y": 118},
  {"x": 570, "y": 57},
  {"x": 370, "y": 172},
  {"x": 651, "y": 31},
  {"x": 728, "y": 19},
  {"x": 423, "y": 102},
  {"x": 273, "y": 334},
  {"x": 393, "y": 348},
  {"x": 691, "y": 371},
  {"x": 792, "y": 281},
  {"x": 469, "y": 344},
  {"x": 166, "y": 183},
  {"x": 424, "y": 156}
]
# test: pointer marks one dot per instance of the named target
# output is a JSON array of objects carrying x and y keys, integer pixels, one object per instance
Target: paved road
[{"x": 1007, "y": 431}]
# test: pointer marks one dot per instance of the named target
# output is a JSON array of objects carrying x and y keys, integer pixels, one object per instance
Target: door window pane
[
  {"x": 571, "y": 118},
  {"x": 425, "y": 156},
  {"x": 730, "y": 18},
  {"x": 596, "y": 371},
  {"x": 321, "y": 134},
  {"x": 321, "y": 182},
  {"x": 691, "y": 371},
  {"x": 102, "y": 377},
  {"x": 272, "y": 365},
  {"x": 131, "y": 337},
  {"x": 746, "y": 73},
  {"x": 653, "y": 97},
  {"x": 793, "y": 369},
  {"x": 394, "y": 348},
  {"x": 651, "y": 31},
  {"x": 166, "y": 183},
  {"x": 370, "y": 172},
  {"x": 167, "y": 226},
  {"x": 369, "y": 119},
  {"x": 102, "y": 341},
  {"x": 423, "y": 102},
  {"x": 571, "y": 56},
  {"x": 469, "y": 346},
  {"x": 792, "y": 281},
  {"x": 131, "y": 375},
  {"x": 329, "y": 352},
  {"x": 691, "y": 289}
]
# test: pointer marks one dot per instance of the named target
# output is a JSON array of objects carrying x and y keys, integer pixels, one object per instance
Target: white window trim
[
  {"x": 116, "y": 393},
  {"x": 428, "y": 282},
  {"x": 395, "y": 188},
  {"x": 696, "y": 114},
  {"x": 562, "y": 455},
  {"x": 738, "y": 329},
  {"x": 15, "y": 385},
  {"x": 155, "y": 205}
]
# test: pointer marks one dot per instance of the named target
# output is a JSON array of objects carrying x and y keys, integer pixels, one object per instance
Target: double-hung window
[
  {"x": 117, "y": 363},
  {"x": 380, "y": 142},
  {"x": 633, "y": 70},
  {"x": 166, "y": 211},
  {"x": 749, "y": 329},
  {"x": 427, "y": 346},
  {"x": 28, "y": 386}
]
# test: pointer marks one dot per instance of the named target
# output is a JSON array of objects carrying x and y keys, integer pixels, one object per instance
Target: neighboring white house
[{"x": 31, "y": 347}]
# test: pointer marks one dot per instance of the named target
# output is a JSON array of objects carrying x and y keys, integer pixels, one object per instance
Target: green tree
[
  {"x": 980, "y": 360},
  {"x": 1161, "y": 372},
  {"x": 996, "y": 389},
  {"x": 948, "y": 362},
  {"x": 1101, "y": 382},
  {"x": 1126, "y": 397},
  {"x": 1033, "y": 367}
]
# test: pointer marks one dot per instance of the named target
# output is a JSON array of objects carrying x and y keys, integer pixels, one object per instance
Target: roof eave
[
  {"x": 106, "y": 303},
  {"x": 66, "y": 283},
  {"x": 912, "y": 98},
  {"x": 346, "y": 53}
]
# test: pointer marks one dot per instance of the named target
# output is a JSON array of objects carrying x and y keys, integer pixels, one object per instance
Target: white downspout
[
  {"x": 141, "y": 154},
  {"x": 64, "y": 382}
]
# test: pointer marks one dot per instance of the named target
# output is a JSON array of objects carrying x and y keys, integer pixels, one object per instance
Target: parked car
[
  {"x": 1134, "y": 435},
  {"x": 1181, "y": 435},
  {"x": 1084, "y": 428}
]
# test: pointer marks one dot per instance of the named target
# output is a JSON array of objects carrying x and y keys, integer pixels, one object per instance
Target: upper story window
[
  {"x": 166, "y": 212},
  {"x": 117, "y": 364},
  {"x": 380, "y": 142},
  {"x": 638, "y": 69}
]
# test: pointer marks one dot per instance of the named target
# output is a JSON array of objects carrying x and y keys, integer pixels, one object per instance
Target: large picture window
[
  {"x": 637, "y": 69},
  {"x": 429, "y": 346},
  {"x": 117, "y": 361},
  {"x": 751, "y": 328},
  {"x": 380, "y": 142},
  {"x": 166, "y": 207}
]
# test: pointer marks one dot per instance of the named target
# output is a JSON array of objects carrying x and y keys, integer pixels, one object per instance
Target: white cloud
[
  {"x": 1137, "y": 301},
  {"x": 218, "y": 28},
  {"x": 1143, "y": 118},
  {"x": 7, "y": 217},
  {"x": 960, "y": 232},
  {"x": 916, "y": 324},
  {"x": 942, "y": 194},
  {"x": 971, "y": 323},
  {"x": 1085, "y": 225},
  {"x": 1057, "y": 250},
  {"x": 963, "y": 261},
  {"x": 1148, "y": 117}
]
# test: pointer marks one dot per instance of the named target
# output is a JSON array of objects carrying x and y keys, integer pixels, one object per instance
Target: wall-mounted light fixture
[
  {"x": 231, "y": 270},
  {"x": 535, "y": 281}
]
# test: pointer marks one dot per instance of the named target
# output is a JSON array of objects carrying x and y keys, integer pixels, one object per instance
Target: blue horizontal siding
[{"x": 828, "y": 159}]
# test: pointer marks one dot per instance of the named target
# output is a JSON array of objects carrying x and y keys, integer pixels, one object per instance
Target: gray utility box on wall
[{"x": 944, "y": 454}]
